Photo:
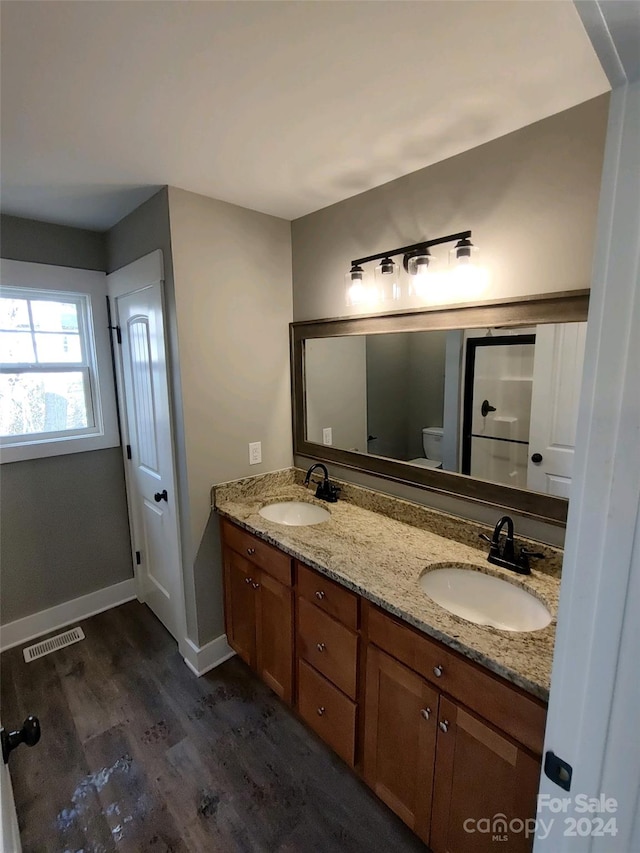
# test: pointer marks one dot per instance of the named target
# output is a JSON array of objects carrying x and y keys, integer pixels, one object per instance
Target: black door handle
[
  {"x": 161, "y": 496},
  {"x": 486, "y": 408},
  {"x": 536, "y": 458},
  {"x": 29, "y": 734}
]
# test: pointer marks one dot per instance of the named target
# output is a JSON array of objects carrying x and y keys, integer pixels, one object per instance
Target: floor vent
[{"x": 53, "y": 644}]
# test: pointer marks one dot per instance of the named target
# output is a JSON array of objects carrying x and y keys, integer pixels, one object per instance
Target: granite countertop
[{"x": 367, "y": 547}]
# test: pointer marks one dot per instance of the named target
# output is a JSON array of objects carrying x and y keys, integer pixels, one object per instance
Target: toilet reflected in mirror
[{"x": 432, "y": 446}]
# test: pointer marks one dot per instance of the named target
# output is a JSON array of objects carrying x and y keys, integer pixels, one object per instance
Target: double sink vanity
[{"x": 425, "y": 667}]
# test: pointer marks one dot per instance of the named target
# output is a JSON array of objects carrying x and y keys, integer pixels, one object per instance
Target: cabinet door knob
[
  {"x": 426, "y": 713},
  {"x": 444, "y": 725},
  {"x": 320, "y": 710},
  {"x": 319, "y": 595},
  {"x": 251, "y": 551},
  {"x": 248, "y": 580},
  {"x": 320, "y": 647},
  {"x": 255, "y": 585},
  {"x": 437, "y": 671}
]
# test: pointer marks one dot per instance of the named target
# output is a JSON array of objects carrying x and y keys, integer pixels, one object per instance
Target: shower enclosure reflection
[{"x": 496, "y": 404}]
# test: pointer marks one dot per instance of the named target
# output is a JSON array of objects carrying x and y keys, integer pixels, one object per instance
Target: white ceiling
[{"x": 283, "y": 107}]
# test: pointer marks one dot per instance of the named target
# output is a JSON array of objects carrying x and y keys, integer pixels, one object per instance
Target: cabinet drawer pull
[
  {"x": 444, "y": 725},
  {"x": 319, "y": 595},
  {"x": 255, "y": 585},
  {"x": 426, "y": 713},
  {"x": 320, "y": 647},
  {"x": 437, "y": 671},
  {"x": 251, "y": 551},
  {"x": 320, "y": 710},
  {"x": 248, "y": 580}
]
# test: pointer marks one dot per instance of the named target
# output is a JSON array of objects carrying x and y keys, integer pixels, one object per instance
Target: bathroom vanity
[{"x": 444, "y": 719}]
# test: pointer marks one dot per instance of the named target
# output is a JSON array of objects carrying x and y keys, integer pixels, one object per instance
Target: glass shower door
[{"x": 497, "y": 408}]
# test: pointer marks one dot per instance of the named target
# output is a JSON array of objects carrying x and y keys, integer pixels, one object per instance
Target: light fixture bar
[{"x": 403, "y": 250}]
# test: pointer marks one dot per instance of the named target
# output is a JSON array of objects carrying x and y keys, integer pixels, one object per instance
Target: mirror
[{"x": 435, "y": 399}]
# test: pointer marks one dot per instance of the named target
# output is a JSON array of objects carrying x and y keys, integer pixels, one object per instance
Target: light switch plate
[
  {"x": 255, "y": 452},
  {"x": 327, "y": 435}
]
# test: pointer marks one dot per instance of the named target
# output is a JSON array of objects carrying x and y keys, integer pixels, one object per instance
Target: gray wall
[
  {"x": 44, "y": 243},
  {"x": 232, "y": 270},
  {"x": 531, "y": 200},
  {"x": 405, "y": 390},
  {"x": 387, "y": 388},
  {"x": 335, "y": 380},
  {"x": 64, "y": 530},
  {"x": 425, "y": 395}
]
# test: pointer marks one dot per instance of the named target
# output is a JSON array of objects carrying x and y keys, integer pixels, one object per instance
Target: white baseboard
[
  {"x": 30, "y": 627},
  {"x": 201, "y": 659}
]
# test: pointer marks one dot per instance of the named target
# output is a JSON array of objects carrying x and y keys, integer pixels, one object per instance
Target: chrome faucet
[
  {"x": 325, "y": 491},
  {"x": 507, "y": 558}
]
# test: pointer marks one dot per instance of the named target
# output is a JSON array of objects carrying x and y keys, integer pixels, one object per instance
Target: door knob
[
  {"x": 161, "y": 496},
  {"x": 444, "y": 725},
  {"x": 486, "y": 408},
  {"x": 29, "y": 734},
  {"x": 426, "y": 713},
  {"x": 437, "y": 671},
  {"x": 536, "y": 458}
]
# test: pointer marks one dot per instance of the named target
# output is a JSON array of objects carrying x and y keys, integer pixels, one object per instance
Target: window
[{"x": 51, "y": 389}]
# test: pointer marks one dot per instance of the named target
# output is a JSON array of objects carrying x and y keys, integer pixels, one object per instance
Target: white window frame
[{"x": 89, "y": 289}]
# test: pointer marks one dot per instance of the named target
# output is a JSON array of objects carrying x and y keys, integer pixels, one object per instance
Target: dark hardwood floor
[{"x": 137, "y": 754}]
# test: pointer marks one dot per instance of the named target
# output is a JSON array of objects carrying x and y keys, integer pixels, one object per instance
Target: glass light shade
[
  {"x": 360, "y": 291},
  {"x": 468, "y": 278},
  {"x": 387, "y": 280},
  {"x": 422, "y": 275}
]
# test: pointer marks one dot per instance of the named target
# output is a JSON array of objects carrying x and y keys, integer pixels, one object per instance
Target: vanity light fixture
[{"x": 418, "y": 263}]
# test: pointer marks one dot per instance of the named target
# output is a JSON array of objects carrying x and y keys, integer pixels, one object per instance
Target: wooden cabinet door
[
  {"x": 240, "y": 607},
  {"x": 480, "y": 774},
  {"x": 274, "y": 635},
  {"x": 401, "y": 714}
]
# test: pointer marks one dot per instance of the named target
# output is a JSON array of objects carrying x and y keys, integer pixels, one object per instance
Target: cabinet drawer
[
  {"x": 503, "y": 704},
  {"x": 328, "y": 646},
  {"x": 328, "y": 596},
  {"x": 273, "y": 561},
  {"x": 329, "y": 713}
]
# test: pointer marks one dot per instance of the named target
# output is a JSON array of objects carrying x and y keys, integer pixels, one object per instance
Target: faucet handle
[
  {"x": 536, "y": 555},
  {"x": 486, "y": 538}
]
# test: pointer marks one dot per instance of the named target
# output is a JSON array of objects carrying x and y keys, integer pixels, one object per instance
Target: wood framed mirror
[{"x": 475, "y": 401}]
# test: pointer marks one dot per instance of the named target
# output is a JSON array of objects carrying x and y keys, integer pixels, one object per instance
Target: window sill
[{"x": 57, "y": 447}]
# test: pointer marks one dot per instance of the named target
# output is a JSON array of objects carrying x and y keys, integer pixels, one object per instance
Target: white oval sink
[
  {"x": 485, "y": 599},
  {"x": 295, "y": 513}
]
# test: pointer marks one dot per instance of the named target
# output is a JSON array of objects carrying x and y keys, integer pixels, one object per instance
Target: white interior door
[
  {"x": 557, "y": 375},
  {"x": 137, "y": 306}
]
